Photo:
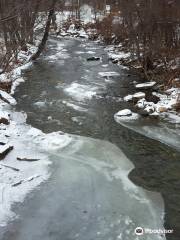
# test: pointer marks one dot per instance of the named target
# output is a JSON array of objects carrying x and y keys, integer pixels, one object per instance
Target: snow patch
[
  {"x": 81, "y": 92},
  {"x": 146, "y": 85},
  {"x": 125, "y": 115},
  {"x": 18, "y": 178},
  {"x": 108, "y": 74}
]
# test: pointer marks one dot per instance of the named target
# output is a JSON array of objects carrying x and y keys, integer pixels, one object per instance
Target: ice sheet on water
[
  {"x": 103, "y": 161},
  {"x": 18, "y": 178},
  {"x": 164, "y": 132},
  {"x": 107, "y": 164}
]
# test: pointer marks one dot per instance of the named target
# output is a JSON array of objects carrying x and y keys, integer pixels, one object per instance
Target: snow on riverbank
[
  {"x": 166, "y": 121},
  {"x": 167, "y": 102},
  {"x": 15, "y": 75},
  {"x": 26, "y": 166}
]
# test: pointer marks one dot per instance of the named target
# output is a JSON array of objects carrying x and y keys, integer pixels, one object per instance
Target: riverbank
[{"x": 156, "y": 98}]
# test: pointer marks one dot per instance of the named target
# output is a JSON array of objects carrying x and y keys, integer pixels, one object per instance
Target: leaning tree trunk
[{"x": 46, "y": 32}]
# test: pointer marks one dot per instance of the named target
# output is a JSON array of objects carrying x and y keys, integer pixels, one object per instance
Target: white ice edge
[{"x": 160, "y": 133}]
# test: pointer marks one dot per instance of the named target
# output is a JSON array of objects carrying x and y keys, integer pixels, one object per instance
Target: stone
[
  {"x": 162, "y": 109},
  {"x": 139, "y": 95},
  {"x": 147, "y": 85},
  {"x": 93, "y": 59},
  {"x": 142, "y": 112},
  {"x": 125, "y": 112},
  {"x": 4, "y": 121},
  {"x": 128, "y": 98}
]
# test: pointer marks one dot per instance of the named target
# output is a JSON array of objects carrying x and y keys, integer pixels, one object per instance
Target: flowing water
[{"x": 89, "y": 195}]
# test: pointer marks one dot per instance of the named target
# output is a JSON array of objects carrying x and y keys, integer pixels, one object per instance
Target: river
[{"x": 89, "y": 195}]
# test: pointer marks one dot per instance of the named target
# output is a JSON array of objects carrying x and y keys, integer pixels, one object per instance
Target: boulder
[
  {"x": 115, "y": 61},
  {"x": 152, "y": 97},
  {"x": 93, "y": 59},
  {"x": 145, "y": 86},
  {"x": 149, "y": 109},
  {"x": 4, "y": 118},
  {"x": 123, "y": 113},
  {"x": 128, "y": 98},
  {"x": 135, "y": 97},
  {"x": 139, "y": 95},
  {"x": 154, "y": 115},
  {"x": 141, "y": 103},
  {"x": 142, "y": 112}
]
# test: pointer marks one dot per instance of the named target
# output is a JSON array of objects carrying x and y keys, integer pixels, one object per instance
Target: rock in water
[
  {"x": 125, "y": 112},
  {"x": 147, "y": 85},
  {"x": 139, "y": 95},
  {"x": 93, "y": 59},
  {"x": 128, "y": 98}
]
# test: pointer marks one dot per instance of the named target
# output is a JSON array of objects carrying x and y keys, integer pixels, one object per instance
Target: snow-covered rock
[
  {"x": 125, "y": 115},
  {"x": 118, "y": 56},
  {"x": 125, "y": 112},
  {"x": 93, "y": 59},
  {"x": 150, "y": 108},
  {"x": 108, "y": 74},
  {"x": 4, "y": 117},
  {"x": 83, "y": 34},
  {"x": 139, "y": 95},
  {"x": 147, "y": 85},
  {"x": 136, "y": 96},
  {"x": 128, "y": 98},
  {"x": 7, "y": 98}
]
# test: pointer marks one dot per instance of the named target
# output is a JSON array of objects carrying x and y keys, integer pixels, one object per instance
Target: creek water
[{"x": 111, "y": 179}]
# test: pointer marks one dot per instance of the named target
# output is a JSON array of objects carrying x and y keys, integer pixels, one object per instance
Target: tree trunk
[{"x": 46, "y": 32}]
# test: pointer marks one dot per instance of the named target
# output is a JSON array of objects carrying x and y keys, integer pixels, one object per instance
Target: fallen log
[
  {"x": 28, "y": 159},
  {"x": 4, "y": 150}
]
